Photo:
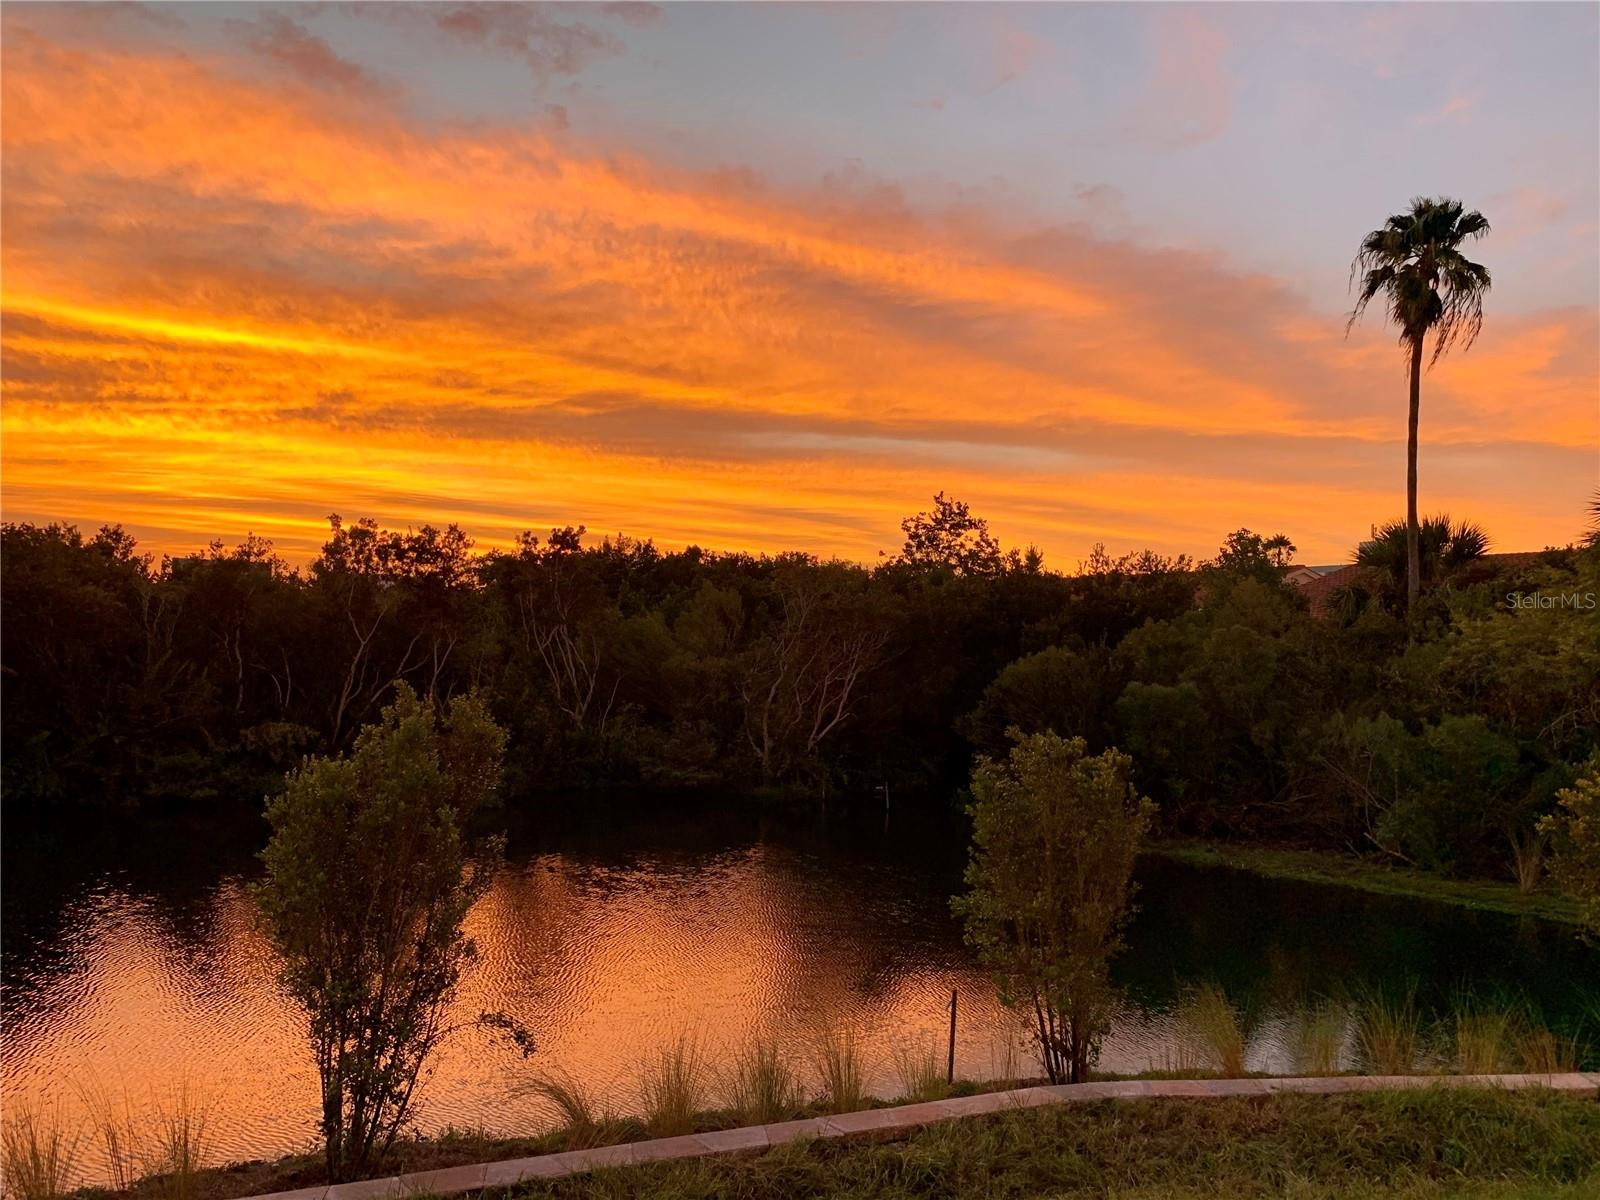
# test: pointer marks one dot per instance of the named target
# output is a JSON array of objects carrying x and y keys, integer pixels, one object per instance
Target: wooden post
[{"x": 950, "y": 1064}]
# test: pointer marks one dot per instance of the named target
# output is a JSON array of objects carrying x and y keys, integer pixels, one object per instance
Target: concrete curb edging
[{"x": 451, "y": 1181}]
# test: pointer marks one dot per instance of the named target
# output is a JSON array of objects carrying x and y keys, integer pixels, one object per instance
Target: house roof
[{"x": 1319, "y": 589}]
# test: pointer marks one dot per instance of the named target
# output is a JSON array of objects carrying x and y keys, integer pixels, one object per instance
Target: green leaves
[
  {"x": 1054, "y": 835},
  {"x": 1574, "y": 832},
  {"x": 368, "y": 879}
]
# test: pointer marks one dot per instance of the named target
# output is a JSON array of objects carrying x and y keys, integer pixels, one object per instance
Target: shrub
[
  {"x": 1054, "y": 835},
  {"x": 1574, "y": 831},
  {"x": 368, "y": 878}
]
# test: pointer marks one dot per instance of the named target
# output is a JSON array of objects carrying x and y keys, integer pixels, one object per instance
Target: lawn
[
  {"x": 1346, "y": 870},
  {"x": 1456, "y": 1142}
]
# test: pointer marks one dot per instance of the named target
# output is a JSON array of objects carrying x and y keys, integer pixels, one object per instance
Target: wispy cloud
[
  {"x": 288, "y": 45},
  {"x": 552, "y": 40},
  {"x": 228, "y": 303},
  {"x": 1455, "y": 109}
]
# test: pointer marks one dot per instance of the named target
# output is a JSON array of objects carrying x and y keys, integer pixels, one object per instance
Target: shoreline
[{"x": 1344, "y": 870}]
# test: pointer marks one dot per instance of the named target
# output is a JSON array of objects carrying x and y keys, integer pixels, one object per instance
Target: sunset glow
[{"x": 518, "y": 267}]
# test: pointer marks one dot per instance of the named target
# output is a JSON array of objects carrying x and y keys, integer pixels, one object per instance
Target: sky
[{"x": 769, "y": 276}]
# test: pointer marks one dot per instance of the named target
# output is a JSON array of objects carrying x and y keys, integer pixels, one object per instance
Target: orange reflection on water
[{"x": 606, "y": 963}]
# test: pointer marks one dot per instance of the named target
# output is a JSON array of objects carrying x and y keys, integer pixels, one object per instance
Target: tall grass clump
[
  {"x": 1388, "y": 1032},
  {"x": 582, "y": 1124},
  {"x": 118, "y": 1137},
  {"x": 37, "y": 1155},
  {"x": 1005, "y": 1062},
  {"x": 1177, "y": 1058},
  {"x": 176, "y": 1151},
  {"x": 1541, "y": 1051},
  {"x": 163, "y": 1145},
  {"x": 1485, "y": 1036},
  {"x": 762, "y": 1086},
  {"x": 1319, "y": 1038},
  {"x": 674, "y": 1088},
  {"x": 921, "y": 1075},
  {"x": 1211, "y": 1033},
  {"x": 840, "y": 1070}
]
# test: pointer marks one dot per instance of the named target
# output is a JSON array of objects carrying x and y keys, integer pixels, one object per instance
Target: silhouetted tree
[
  {"x": 1441, "y": 545},
  {"x": 951, "y": 537},
  {"x": 1415, "y": 262}
]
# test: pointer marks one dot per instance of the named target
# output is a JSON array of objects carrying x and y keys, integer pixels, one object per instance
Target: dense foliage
[
  {"x": 368, "y": 879},
  {"x": 1439, "y": 737},
  {"x": 1054, "y": 835},
  {"x": 1575, "y": 830}
]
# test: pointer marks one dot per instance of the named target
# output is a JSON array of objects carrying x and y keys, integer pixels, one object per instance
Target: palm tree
[
  {"x": 1415, "y": 260},
  {"x": 1443, "y": 547},
  {"x": 1280, "y": 549}
]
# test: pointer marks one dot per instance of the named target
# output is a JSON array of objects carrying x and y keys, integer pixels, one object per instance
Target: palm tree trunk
[{"x": 1413, "y": 561}]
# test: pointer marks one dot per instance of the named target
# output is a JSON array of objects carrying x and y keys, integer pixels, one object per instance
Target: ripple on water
[{"x": 609, "y": 955}]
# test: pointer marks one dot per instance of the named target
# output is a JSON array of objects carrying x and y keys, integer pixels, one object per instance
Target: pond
[{"x": 132, "y": 969}]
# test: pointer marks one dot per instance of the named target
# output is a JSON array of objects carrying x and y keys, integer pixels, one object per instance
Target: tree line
[{"x": 1438, "y": 733}]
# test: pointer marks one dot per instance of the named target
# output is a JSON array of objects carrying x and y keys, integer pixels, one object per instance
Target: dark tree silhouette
[
  {"x": 1442, "y": 546},
  {"x": 1415, "y": 262}
]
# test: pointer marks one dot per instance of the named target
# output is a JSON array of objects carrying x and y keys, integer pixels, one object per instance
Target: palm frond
[
  {"x": 1414, "y": 260},
  {"x": 1443, "y": 546}
]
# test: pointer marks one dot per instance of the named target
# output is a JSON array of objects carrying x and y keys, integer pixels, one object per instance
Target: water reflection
[{"x": 610, "y": 942}]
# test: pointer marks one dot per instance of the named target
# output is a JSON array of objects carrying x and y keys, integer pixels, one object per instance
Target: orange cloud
[{"x": 229, "y": 305}]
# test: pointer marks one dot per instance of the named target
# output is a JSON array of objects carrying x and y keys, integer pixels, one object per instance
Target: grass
[
  {"x": 585, "y": 1127},
  {"x": 1389, "y": 1033},
  {"x": 840, "y": 1070},
  {"x": 1510, "y": 1035},
  {"x": 674, "y": 1087},
  {"x": 1319, "y": 1038},
  {"x": 1542, "y": 1052},
  {"x": 763, "y": 1087},
  {"x": 1484, "y": 1034},
  {"x": 117, "y": 1133},
  {"x": 450, "y": 1148},
  {"x": 1484, "y": 1038},
  {"x": 1005, "y": 1061},
  {"x": 921, "y": 1074},
  {"x": 37, "y": 1156},
  {"x": 1210, "y": 1032},
  {"x": 582, "y": 1124},
  {"x": 1483, "y": 1143},
  {"x": 176, "y": 1153},
  {"x": 161, "y": 1152},
  {"x": 1345, "y": 870}
]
